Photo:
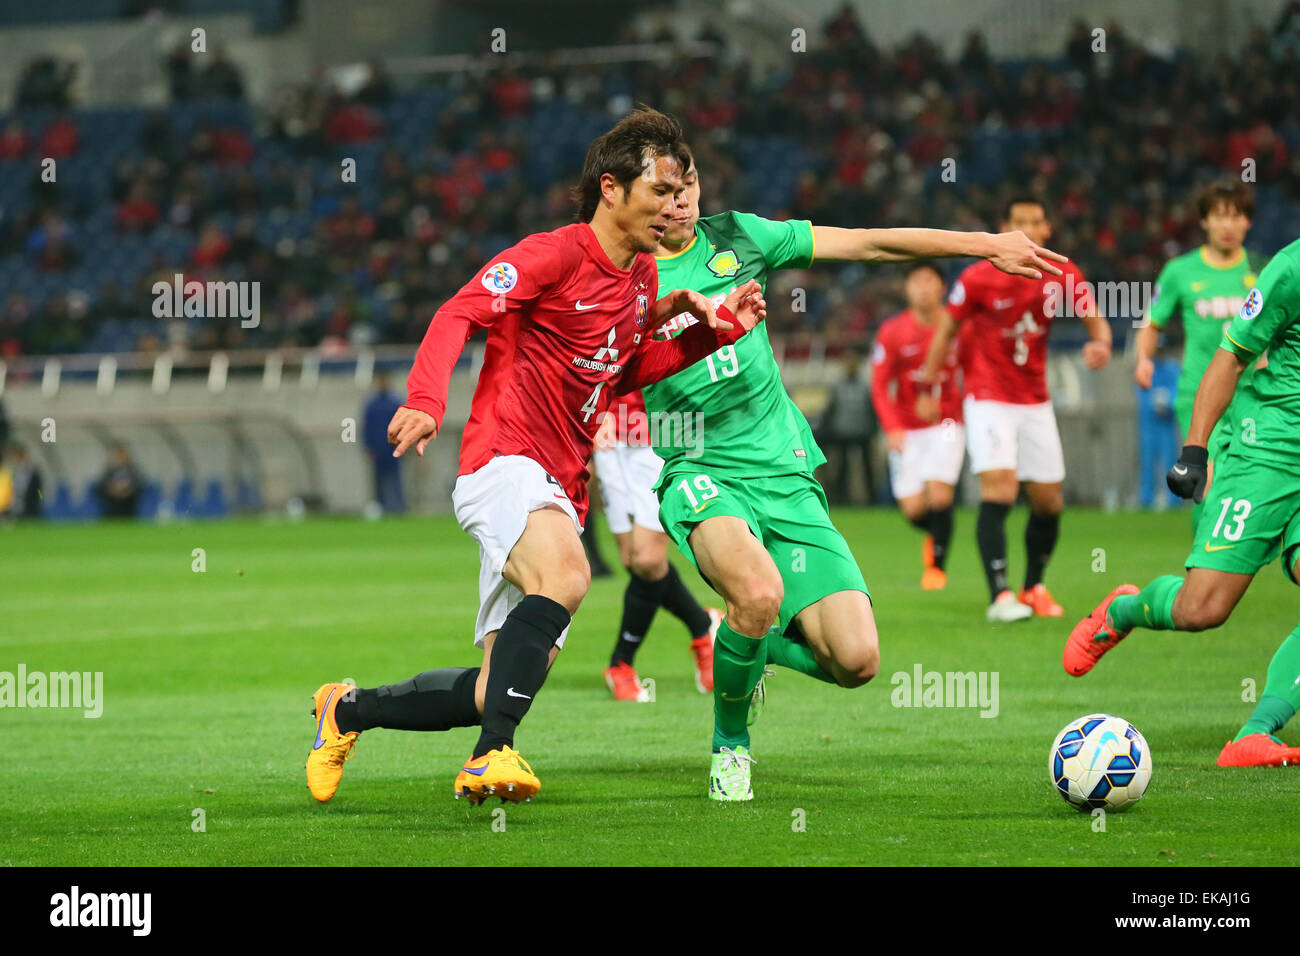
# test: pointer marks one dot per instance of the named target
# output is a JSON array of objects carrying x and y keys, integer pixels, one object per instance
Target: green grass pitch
[{"x": 208, "y": 677}]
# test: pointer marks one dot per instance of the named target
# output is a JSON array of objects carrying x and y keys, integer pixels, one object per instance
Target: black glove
[{"x": 1187, "y": 478}]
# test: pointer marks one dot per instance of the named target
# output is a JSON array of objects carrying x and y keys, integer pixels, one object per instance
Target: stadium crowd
[{"x": 852, "y": 134}]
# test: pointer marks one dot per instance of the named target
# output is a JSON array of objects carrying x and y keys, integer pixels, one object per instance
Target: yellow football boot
[
  {"x": 498, "y": 773},
  {"x": 331, "y": 747}
]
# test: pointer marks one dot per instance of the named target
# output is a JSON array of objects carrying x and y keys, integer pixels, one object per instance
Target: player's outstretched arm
[{"x": 1011, "y": 252}]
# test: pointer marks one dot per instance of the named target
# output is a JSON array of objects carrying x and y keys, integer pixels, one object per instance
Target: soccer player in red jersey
[
  {"x": 1010, "y": 426},
  {"x": 570, "y": 315},
  {"x": 627, "y": 468},
  {"x": 921, "y": 421}
]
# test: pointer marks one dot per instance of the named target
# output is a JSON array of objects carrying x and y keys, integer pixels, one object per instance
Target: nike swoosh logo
[
  {"x": 320, "y": 741},
  {"x": 1178, "y": 470},
  {"x": 510, "y": 692},
  {"x": 1108, "y": 735},
  {"x": 583, "y": 308},
  {"x": 478, "y": 773},
  {"x": 1218, "y": 547},
  {"x": 734, "y": 700}
]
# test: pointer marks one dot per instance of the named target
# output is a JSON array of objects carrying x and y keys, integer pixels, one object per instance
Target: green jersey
[
  {"x": 732, "y": 401},
  {"x": 1206, "y": 298},
  {"x": 1267, "y": 407}
]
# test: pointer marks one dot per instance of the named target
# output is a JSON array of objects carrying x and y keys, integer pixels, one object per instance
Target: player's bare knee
[
  {"x": 755, "y": 604},
  {"x": 648, "y": 566},
  {"x": 567, "y": 582},
  {"x": 912, "y": 508},
  {"x": 940, "y": 498},
  {"x": 858, "y": 666}
]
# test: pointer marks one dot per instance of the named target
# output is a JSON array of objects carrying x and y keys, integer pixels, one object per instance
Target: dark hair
[
  {"x": 1226, "y": 192},
  {"x": 924, "y": 264},
  {"x": 621, "y": 152},
  {"x": 1021, "y": 199}
]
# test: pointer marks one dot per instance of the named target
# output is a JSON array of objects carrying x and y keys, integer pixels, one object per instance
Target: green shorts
[
  {"x": 787, "y": 513},
  {"x": 1251, "y": 514}
]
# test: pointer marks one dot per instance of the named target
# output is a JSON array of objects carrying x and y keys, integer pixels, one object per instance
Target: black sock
[
  {"x": 921, "y": 522},
  {"x": 434, "y": 700},
  {"x": 680, "y": 602},
  {"x": 991, "y": 534},
  {"x": 599, "y": 569},
  {"x": 940, "y": 527},
  {"x": 1040, "y": 540},
  {"x": 518, "y": 668},
  {"x": 640, "y": 601}
]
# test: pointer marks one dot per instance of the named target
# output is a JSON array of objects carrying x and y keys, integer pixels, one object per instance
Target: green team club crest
[{"x": 724, "y": 264}]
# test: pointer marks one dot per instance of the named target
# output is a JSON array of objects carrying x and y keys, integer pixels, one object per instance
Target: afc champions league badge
[{"x": 642, "y": 310}]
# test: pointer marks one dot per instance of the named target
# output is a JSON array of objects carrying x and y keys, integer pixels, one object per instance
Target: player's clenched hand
[
  {"x": 685, "y": 300},
  {"x": 1016, "y": 254},
  {"x": 1187, "y": 478},
  {"x": 747, "y": 304},
  {"x": 410, "y": 426},
  {"x": 927, "y": 408},
  {"x": 1096, "y": 354}
]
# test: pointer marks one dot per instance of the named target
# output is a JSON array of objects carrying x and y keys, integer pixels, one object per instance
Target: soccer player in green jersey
[
  {"x": 1205, "y": 288},
  {"x": 1254, "y": 514},
  {"x": 737, "y": 493}
]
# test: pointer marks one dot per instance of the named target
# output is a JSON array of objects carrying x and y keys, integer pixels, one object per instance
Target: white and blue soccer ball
[{"x": 1100, "y": 761}]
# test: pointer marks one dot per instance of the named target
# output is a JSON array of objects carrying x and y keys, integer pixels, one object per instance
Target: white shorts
[
  {"x": 929, "y": 454},
  {"x": 627, "y": 476},
  {"x": 493, "y": 505},
  {"x": 1022, "y": 437}
]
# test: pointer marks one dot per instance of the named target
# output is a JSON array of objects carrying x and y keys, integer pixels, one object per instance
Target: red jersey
[
  {"x": 901, "y": 347},
  {"x": 1005, "y": 350},
  {"x": 567, "y": 328}
]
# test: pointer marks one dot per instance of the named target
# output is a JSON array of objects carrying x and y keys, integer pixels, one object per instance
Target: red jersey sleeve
[
  {"x": 883, "y": 356},
  {"x": 505, "y": 286},
  {"x": 657, "y": 358},
  {"x": 963, "y": 295}
]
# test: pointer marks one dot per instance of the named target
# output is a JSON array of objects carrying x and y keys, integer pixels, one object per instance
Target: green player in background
[
  {"x": 1205, "y": 288},
  {"x": 1254, "y": 513},
  {"x": 739, "y": 497}
]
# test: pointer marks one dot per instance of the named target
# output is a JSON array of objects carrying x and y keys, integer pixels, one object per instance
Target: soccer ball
[{"x": 1100, "y": 761}]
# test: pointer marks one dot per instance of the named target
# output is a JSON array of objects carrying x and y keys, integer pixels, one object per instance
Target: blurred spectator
[
  {"x": 137, "y": 212},
  {"x": 44, "y": 84},
  {"x": 14, "y": 141},
  {"x": 1159, "y": 441},
  {"x": 385, "y": 469},
  {"x": 846, "y": 429},
  {"x": 120, "y": 485},
  {"x": 59, "y": 138},
  {"x": 50, "y": 243},
  {"x": 180, "y": 73},
  {"x": 26, "y": 482},
  {"x": 220, "y": 80},
  {"x": 377, "y": 90}
]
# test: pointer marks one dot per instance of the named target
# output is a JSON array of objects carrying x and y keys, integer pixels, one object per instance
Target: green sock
[
  {"x": 795, "y": 655},
  {"x": 1151, "y": 607},
  {"x": 737, "y": 667},
  {"x": 1281, "y": 697}
]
